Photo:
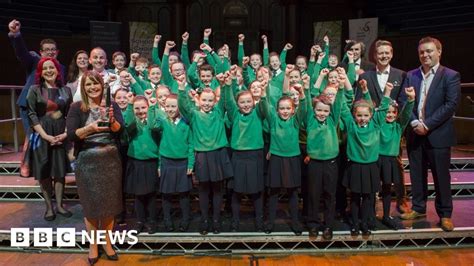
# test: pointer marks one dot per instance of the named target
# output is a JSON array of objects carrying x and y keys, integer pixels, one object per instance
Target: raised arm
[
  {"x": 155, "y": 57},
  {"x": 184, "y": 103},
  {"x": 266, "y": 54},
  {"x": 19, "y": 45},
  {"x": 283, "y": 53},
  {"x": 240, "y": 51},
  {"x": 404, "y": 117},
  {"x": 165, "y": 68}
]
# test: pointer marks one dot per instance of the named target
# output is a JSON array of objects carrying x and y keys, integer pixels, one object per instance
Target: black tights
[
  {"x": 257, "y": 200},
  {"x": 217, "y": 189},
  {"x": 183, "y": 204},
  {"x": 293, "y": 204},
  {"x": 146, "y": 204},
  {"x": 386, "y": 199},
  {"x": 363, "y": 207}
]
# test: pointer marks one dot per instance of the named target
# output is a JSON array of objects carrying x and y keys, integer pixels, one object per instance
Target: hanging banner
[
  {"x": 141, "y": 37},
  {"x": 106, "y": 34},
  {"x": 364, "y": 30},
  {"x": 334, "y": 30}
]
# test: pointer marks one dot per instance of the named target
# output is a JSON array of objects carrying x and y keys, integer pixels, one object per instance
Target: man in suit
[
  {"x": 29, "y": 60},
  {"x": 431, "y": 135},
  {"x": 376, "y": 80}
]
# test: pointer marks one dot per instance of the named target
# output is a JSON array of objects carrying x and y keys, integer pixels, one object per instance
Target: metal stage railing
[
  {"x": 228, "y": 244},
  {"x": 14, "y": 119}
]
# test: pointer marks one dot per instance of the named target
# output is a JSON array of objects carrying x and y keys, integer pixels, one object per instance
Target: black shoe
[
  {"x": 234, "y": 227},
  {"x": 66, "y": 214},
  {"x": 152, "y": 228},
  {"x": 113, "y": 257},
  {"x": 92, "y": 261},
  {"x": 49, "y": 218},
  {"x": 138, "y": 227},
  {"x": 296, "y": 228},
  {"x": 365, "y": 230},
  {"x": 390, "y": 223},
  {"x": 204, "y": 229},
  {"x": 269, "y": 228},
  {"x": 183, "y": 226},
  {"x": 354, "y": 231},
  {"x": 216, "y": 227},
  {"x": 372, "y": 226},
  {"x": 168, "y": 225},
  {"x": 313, "y": 232},
  {"x": 327, "y": 233}
]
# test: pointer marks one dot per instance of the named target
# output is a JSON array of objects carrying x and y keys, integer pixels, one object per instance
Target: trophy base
[{"x": 103, "y": 124}]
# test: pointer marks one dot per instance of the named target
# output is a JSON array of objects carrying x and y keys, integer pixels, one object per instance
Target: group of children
[{"x": 241, "y": 127}]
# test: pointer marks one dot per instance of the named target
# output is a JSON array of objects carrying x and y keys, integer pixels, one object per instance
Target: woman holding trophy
[{"x": 94, "y": 125}]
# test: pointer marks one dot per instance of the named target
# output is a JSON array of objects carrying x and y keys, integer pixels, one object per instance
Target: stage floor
[{"x": 30, "y": 214}]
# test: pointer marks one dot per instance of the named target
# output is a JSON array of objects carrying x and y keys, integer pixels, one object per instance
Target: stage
[{"x": 21, "y": 206}]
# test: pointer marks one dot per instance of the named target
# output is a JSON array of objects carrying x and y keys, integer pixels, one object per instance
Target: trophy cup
[{"x": 104, "y": 110}]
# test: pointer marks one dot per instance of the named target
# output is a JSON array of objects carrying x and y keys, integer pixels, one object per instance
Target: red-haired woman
[{"x": 48, "y": 104}]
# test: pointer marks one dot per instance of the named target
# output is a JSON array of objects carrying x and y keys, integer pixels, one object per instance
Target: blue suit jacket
[{"x": 442, "y": 100}]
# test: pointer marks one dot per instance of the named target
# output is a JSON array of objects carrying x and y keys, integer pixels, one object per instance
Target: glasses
[{"x": 49, "y": 50}]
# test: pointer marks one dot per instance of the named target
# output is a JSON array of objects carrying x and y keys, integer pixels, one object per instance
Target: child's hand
[
  {"x": 363, "y": 85},
  {"x": 157, "y": 39},
  {"x": 207, "y": 33},
  {"x": 185, "y": 37},
  {"x": 148, "y": 93},
  {"x": 388, "y": 89},
  {"x": 288, "y": 46},
  {"x": 410, "y": 92},
  {"x": 350, "y": 56},
  {"x": 112, "y": 78},
  {"x": 233, "y": 70},
  {"x": 189, "y": 172},
  {"x": 198, "y": 56},
  {"x": 306, "y": 159},
  {"x": 205, "y": 47},
  {"x": 181, "y": 80},
  {"x": 152, "y": 101},
  {"x": 264, "y": 39},
  {"x": 288, "y": 69},
  {"x": 130, "y": 97},
  {"x": 245, "y": 61},
  {"x": 341, "y": 70},
  {"x": 170, "y": 45},
  {"x": 134, "y": 57},
  {"x": 326, "y": 39},
  {"x": 306, "y": 80},
  {"x": 324, "y": 72},
  {"x": 241, "y": 38},
  {"x": 321, "y": 55},
  {"x": 228, "y": 78},
  {"x": 318, "y": 48},
  {"x": 221, "y": 78}
]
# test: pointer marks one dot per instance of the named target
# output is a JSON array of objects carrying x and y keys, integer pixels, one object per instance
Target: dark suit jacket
[
  {"x": 443, "y": 97},
  {"x": 364, "y": 64},
  {"x": 396, "y": 77},
  {"x": 29, "y": 60}
]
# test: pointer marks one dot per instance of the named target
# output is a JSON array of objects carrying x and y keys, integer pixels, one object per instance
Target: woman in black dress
[
  {"x": 98, "y": 170},
  {"x": 48, "y": 103}
]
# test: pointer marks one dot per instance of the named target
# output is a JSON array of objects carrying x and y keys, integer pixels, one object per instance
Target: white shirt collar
[{"x": 386, "y": 71}]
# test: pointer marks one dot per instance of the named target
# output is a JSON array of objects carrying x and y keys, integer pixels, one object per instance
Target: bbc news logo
[{"x": 66, "y": 237}]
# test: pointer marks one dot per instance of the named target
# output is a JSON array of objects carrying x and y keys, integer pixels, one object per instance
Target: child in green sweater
[
  {"x": 212, "y": 161},
  {"x": 176, "y": 158},
  {"x": 363, "y": 145},
  {"x": 390, "y": 135},
  {"x": 142, "y": 165},
  {"x": 247, "y": 151}
]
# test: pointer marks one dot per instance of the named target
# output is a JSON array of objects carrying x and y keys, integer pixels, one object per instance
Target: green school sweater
[
  {"x": 246, "y": 129},
  {"x": 143, "y": 141},
  {"x": 322, "y": 140},
  {"x": 176, "y": 138},
  {"x": 284, "y": 134},
  {"x": 391, "y": 133},
  {"x": 208, "y": 128},
  {"x": 363, "y": 143}
]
